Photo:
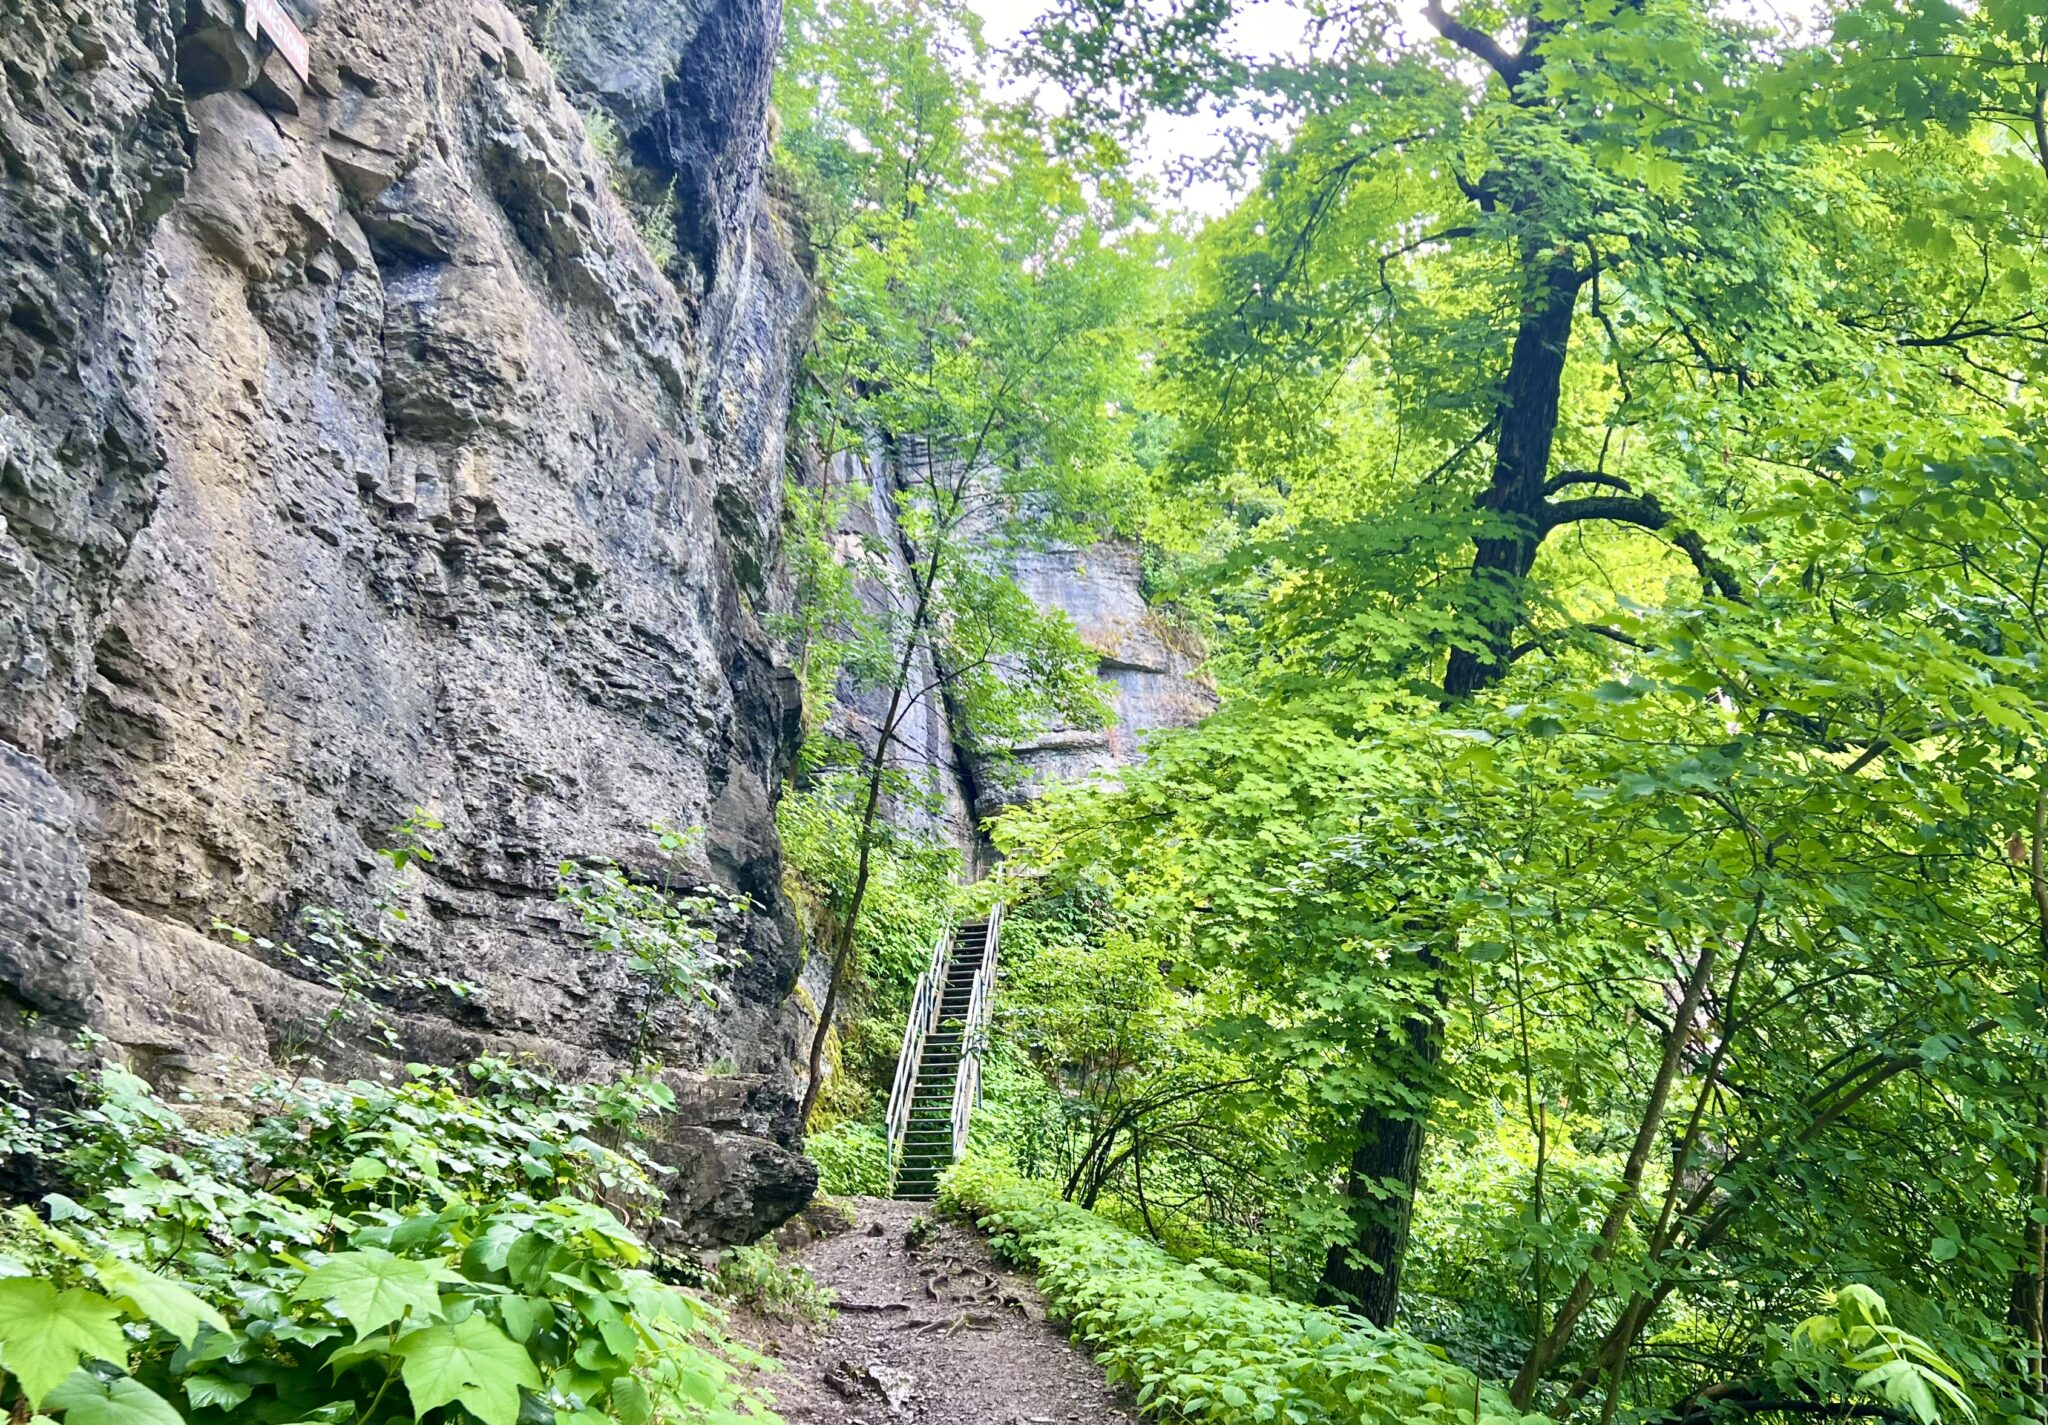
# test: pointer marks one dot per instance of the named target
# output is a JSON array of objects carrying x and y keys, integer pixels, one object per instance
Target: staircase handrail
[
  {"x": 974, "y": 1035},
  {"x": 922, "y": 1020}
]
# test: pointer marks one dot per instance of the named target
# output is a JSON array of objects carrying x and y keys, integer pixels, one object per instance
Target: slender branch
[
  {"x": 1569, "y": 478},
  {"x": 1463, "y": 230},
  {"x": 1615, "y": 635},
  {"x": 1645, "y": 512},
  {"x": 1546, "y": 1350},
  {"x": 2041, "y": 125}
]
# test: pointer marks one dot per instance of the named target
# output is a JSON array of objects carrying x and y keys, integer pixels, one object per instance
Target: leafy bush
[
  {"x": 1853, "y": 1349},
  {"x": 1198, "y": 1351},
  {"x": 357, "y": 1256},
  {"x": 852, "y": 1158},
  {"x": 665, "y": 935},
  {"x": 757, "y": 1277}
]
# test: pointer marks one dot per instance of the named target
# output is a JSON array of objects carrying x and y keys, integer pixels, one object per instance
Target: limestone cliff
[
  {"x": 1149, "y": 670},
  {"x": 354, "y": 455},
  {"x": 360, "y": 450},
  {"x": 1150, "y": 674}
]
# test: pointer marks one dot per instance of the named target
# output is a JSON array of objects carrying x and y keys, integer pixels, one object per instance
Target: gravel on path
[{"x": 930, "y": 1331}]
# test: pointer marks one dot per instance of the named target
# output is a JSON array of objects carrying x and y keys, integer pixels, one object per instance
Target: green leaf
[
  {"x": 369, "y": 1288},
  {"x": 471, "y": 1361},
  {"x": 170, "y": 1305},
  {"x": 44, "y": 1333},
  {"x": 630, "y": 1402},
  {"x": 700, "y": 1389},
  {"x": 215, "y": 1392},
  {"x": 524, "y": 1315},
  {"x": 85, "y": 1399},
  {"x": 63, "y": 1209},
  {"x": 355, "y": 1353}
]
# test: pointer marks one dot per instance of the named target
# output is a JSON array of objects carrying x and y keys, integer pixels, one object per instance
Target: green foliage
[
  {"x": 912, "y": 884},
  {"x": 852, "y": 1158},
  {"x": 1853, "y": 1351},
  {"x": 355, "y": 1255},
  {"x": 907, "y": 884},
  {"x": 666, "y": 937},
  {"x": 1698, "y": 930},
  {"x": 1196, "y": 1350},
  {"x": 976, "y": 349},
  {"x": 970, "y": 399},
  {"x": 755, "y": 1276},
  {"x": 1099, "y": 1082},
  {"x": 1603, "y": 451}
]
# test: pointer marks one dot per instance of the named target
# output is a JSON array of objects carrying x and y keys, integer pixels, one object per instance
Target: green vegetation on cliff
[{"x": 969, "y": 398}]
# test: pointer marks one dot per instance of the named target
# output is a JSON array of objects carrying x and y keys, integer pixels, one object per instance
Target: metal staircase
[{"x": 938, "y": 1072}]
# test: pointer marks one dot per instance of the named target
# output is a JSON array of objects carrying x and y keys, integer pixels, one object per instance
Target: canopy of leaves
[{"x": 1703, "y": 927}]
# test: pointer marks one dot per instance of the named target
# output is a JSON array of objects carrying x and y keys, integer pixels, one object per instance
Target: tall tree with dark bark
[{"x": 1528, "y": 203}]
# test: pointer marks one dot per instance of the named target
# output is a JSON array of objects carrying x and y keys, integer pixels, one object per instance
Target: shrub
[
  {"x": 852, "y": 1158},
  {"x": 354, "y": 1256},
  {"x": 1198, "y": 1351},
  {"x": 665, "y": 935},
  {"x": 756, "y": 1277}
]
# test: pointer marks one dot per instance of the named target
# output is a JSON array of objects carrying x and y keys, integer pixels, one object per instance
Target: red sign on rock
[{"x": 267, "y": 19}]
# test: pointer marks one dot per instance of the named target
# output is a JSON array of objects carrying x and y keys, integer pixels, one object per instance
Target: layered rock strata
[{"x": 355, "y": 456}]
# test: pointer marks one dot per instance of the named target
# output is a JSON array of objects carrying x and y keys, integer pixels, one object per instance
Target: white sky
[
  {"x": 1262, "y": 27},
  {"x": 1269, "y": 27}
]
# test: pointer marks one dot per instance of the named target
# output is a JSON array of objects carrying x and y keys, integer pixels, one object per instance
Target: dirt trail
[{"x": 930, "y": 1334}]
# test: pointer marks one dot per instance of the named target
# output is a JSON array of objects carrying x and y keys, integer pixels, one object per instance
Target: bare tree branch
[
  {"x": 1568, "y": 478},
  {"x": 1479, "y": 44},
  {"x": 1601, "y": 630}
]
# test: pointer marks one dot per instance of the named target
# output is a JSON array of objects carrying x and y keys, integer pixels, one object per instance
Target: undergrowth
[
  {"x": 434, "y": 1251},
  {"x": 755, "y": 1276},
  {"x": 852, "y": 1158},
  {"x": 1195, "y": 1350}
]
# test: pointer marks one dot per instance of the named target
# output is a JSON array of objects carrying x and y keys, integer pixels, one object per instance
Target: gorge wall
[
  {"x": 355, "y": 456},
  {"x": 1150, "y": 673}
]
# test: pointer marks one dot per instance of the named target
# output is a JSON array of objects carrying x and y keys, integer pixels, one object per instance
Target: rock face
[
  {"x": 924, "y": 750},
  {"x": 1150, "y": 674},
  {"x": 355, "y": 457},
  {"x": 1149, "y": 671}
]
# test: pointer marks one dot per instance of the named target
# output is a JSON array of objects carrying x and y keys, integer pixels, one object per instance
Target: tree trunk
[
  {"x": 1365, "y": 1273},
  {"x": 1367, "y": 1270},
  {"x": 1386, "y": 1172},
  {"x": 2028, "y": 1310},
  {"x": 1521, "y": 464},
  {"x": 2031, "y": 1294},
  {"x": 849, "y": 926}
]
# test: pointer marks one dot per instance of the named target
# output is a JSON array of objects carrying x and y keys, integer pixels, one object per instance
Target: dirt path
[{"x": 933, "y": 1333}]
